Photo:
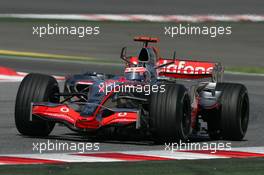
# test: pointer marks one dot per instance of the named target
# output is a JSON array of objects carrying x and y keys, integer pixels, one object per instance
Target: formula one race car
[{"x": 164, "y": 99}]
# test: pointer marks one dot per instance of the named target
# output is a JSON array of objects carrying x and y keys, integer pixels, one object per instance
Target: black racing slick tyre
[
  {"x": 34, "y": 88},
  {"x": 233, "y": 115},
  {"x": 234, "y": 110},
  {"x": 170, "y": 114}
]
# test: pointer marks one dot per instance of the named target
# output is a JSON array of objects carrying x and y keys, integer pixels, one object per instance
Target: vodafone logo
[
  {"x": 64, "y": 109},
  {"x": 187, "y": 67},
  {"x": 122, "y": 114}
]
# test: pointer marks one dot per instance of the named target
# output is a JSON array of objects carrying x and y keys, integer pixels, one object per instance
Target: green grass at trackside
[
  {"x": 21, "y": 55},
  {"x": 73, "y": 58},
  {"x": 57, "y": 57},
  {"x": 183, "y": 167},
  {"x": 256, "y": 70}
]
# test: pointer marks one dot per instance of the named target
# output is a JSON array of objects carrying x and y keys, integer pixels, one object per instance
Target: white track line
[
  {"x": 175, "y": 155},
  {"x": 250, "y": 149},
  {"x": 65, "y": 157},
  {"x": 10, "y": 78},
  {"x": 93, "y": 157},
  {"x": 142, "y": 17},
  {"x": 242, "y": 73}
]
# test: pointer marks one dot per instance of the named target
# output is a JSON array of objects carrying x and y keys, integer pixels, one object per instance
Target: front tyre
[
  {"x": 170, "y": 114},
  {"x": 34, "y": 88},
  {"x": 234, "y": 110}
]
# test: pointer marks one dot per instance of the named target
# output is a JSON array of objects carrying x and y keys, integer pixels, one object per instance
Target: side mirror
[
  {"x": 174, "y": 55},
  {"x": 123, "y": 56},
  {"x": 123, "y": 53}
]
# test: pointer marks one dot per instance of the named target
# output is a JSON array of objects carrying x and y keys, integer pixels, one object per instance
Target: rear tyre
[
  {"x": 170, "y": 114},
  {"x": 231, "y": 121},
  {"x": 34, "y": 88}
]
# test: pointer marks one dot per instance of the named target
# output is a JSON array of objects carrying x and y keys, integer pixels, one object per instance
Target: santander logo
[
  {"x": 135, "y": 69},
  {"x": 186, "y": 67}
]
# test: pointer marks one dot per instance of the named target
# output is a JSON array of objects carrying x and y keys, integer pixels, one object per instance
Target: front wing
[{"x": 63, "y": 113}]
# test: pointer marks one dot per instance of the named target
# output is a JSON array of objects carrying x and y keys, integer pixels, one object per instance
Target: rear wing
[
  {"x": 146, "y": 40},
  {"x": 189, "y": 69}
]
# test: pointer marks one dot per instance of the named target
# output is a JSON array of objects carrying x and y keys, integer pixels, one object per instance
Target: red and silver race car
[{"x": 163, "y": 99}]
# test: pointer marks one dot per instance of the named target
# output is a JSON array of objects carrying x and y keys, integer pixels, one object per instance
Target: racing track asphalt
[
  {"x": 11, "y": 142},
  {"x": 135, "y": 6}
]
